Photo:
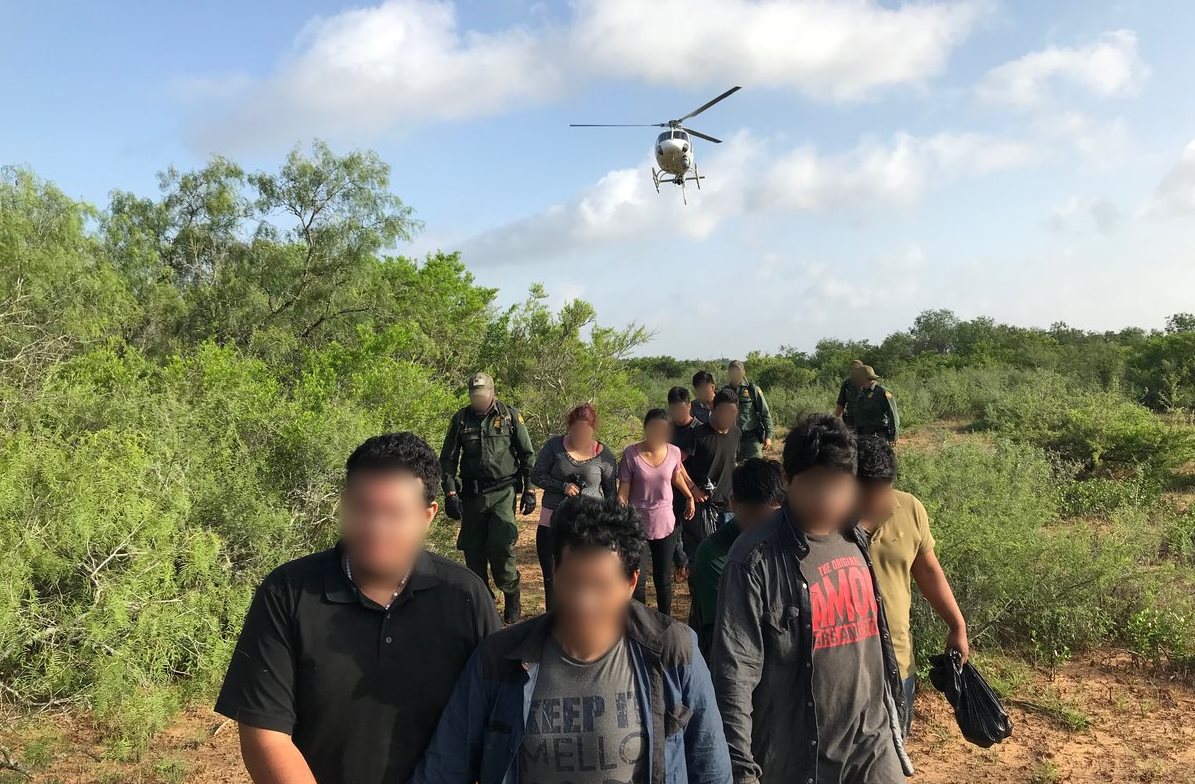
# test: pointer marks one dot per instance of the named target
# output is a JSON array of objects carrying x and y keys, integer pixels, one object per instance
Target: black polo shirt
[{"x": 358, "y": 687}]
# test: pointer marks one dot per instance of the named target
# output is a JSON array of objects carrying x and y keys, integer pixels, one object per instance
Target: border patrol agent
[
  {"x": 873, "y": 408},
  {"x": 847, "y": 391},
  {"x": 755, "y": 417},
  {"x": 489, "y": 443}
]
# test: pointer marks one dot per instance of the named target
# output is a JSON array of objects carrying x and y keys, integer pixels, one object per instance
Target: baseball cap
[
  {"x": 735, "y": 364},
  {"x": 481, "y": 382}
]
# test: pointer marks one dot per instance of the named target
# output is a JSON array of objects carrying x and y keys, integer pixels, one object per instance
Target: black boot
[{"x": 513, "y": 608}]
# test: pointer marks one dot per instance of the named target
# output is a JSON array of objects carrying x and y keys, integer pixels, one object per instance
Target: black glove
[
  {"x": 452, "y": 506},
  {"x": 527, "y": 505}
]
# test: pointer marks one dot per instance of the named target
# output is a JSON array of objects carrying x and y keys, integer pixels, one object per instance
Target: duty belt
[{"x": 475, "y": 487}]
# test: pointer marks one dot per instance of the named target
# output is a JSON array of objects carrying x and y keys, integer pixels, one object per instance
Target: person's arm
[
  {"x": 840, "y": 406},
  {"x": 270, "y": 757},
  {"x": 765, "y": 417},
  {"x": 454, "y": 754},
  {"x": 625, "y": 477},
  {"x": 524, "y": 452},
  {"x": 609, "y": 473},
  {"x": 706, "y": 758},
  {"x": 893, "y": 416},
  {"x": 737, "y": 659},
  {"x": 450, "y": 456},
  {"x": 258, "y": 691},
  {"x": 928, "y": 574},
  {"x": 680, "y": 480},
  {"x": 541, "y": 472}
]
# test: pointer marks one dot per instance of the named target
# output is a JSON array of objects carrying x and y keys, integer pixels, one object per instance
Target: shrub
[{"x": 1094, "y": 429}]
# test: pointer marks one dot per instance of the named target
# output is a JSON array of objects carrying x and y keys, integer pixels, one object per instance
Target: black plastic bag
[{"x": 978, "y": 711}]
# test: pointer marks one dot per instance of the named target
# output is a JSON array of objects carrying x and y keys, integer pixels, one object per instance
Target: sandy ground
[{"x": 1098, "y": 720}]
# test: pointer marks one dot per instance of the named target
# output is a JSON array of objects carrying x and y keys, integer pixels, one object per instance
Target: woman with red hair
[{"x": 575, "y": 463}]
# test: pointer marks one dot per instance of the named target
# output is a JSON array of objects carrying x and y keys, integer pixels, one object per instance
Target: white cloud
[
  {"x": 835, "y": 49},
  {"x": 1109, "y": 67},
  {"x": 749, "y": 175},
  {"x": 370, "y": 70},
  {"x": 1175, "y": 194},
  {"x": 1076, "y": 214}
]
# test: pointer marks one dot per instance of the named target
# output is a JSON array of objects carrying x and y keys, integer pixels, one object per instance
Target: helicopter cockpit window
[
  {"x": 680, "y": 135},
  {"x": 666, "y": 135}
]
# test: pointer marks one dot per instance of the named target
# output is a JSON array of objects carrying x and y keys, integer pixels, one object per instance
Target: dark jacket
[
  {"x": 554, "y": 467},
  {"x": 763, "y": 657},
  {"x": 481, "y": 729}
]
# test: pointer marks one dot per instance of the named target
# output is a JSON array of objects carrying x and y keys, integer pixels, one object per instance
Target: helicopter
[{"x": 674, "y": 147}]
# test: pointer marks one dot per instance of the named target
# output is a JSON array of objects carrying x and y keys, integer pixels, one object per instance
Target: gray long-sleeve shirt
[{"x": 555, "y": 467}]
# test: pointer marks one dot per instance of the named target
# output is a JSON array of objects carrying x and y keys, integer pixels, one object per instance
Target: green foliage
[
  {"x": 1093, "y": 429},
  {"x": 1021, "y": 580},
  {"x": 1104, "y": 498}
]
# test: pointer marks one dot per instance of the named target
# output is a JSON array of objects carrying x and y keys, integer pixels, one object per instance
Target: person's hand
[
  {"x": 767, "y": 443},
  {"x": 957, "y": 641},
  {"x": 700, "y": 496},
  {"x": 527, "y": 505},
  {"x": 571, "y": 489},
  {"x": 452, "y": 506},
  {"x": 690, "y": 508}
]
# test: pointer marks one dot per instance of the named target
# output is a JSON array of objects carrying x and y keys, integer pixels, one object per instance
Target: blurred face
[
  {"x": 384, "y": 518},
  {"x": 823, "y": 499},
  {"x": 750, "y": 515},
  {"x": 725, "y": 416},
  {"x": 858, "y": 377},
  {"x": 704, "y": 392},
  {"x": 581, "y": 433},
  {"x": 680, "y": 413},
  {"x": 481, "y": 400},
  {"x": 875, "y": 501},
  {"x": 656, "y": 433},
  {"x": 591, "y": 590},
  {"x": 735, "y": 376}
]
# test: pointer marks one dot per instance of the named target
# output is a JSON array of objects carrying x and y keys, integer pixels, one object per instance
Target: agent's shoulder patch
[{"x": 887, "y": 394}]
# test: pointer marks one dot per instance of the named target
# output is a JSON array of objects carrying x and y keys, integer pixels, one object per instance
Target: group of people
[{"x": 379, "y": 661}]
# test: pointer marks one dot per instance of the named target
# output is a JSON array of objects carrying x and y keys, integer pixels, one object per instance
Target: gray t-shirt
[
  {"x": 855, "y": 741},
  {"x": 554, "y": 467},
  {"x": 584, "y": 726}
]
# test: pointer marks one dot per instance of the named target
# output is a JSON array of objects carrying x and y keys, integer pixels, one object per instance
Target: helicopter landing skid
[{"x": 658, "y": 177}]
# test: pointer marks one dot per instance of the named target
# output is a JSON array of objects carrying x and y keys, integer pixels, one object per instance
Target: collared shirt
[
  {"x": 359, "y": 687},
  {"x": 895, "y": 544}
]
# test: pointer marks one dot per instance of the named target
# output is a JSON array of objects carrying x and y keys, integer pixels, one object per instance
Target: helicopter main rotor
[{"x": 677, "y": 124}]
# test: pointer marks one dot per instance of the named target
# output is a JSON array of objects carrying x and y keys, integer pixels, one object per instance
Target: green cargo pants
[
  {"x": 749, "y": 446},
  {"x": 488, "y": 535}
]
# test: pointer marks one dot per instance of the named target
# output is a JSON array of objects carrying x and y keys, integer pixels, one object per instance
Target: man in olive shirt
[
  {"x": 755, "y": 417},
  {"x": 488, "y": 443},
  {"x": 902, "y": 547},
  {"x": 758, "y": 491},
  {"x": 347, "y": 656}
]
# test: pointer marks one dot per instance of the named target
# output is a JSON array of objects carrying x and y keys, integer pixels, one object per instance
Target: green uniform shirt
[
  {"x": 873, "y": 410},
  {"x": 486, "y": 448},
  {"x": 755, "y": 418}
]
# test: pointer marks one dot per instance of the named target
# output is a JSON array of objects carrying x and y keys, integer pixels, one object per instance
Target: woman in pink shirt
[{"x": 647, "y": 475}]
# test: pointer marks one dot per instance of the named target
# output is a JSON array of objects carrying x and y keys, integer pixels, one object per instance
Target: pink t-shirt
[{"x": 651, "y": 489}]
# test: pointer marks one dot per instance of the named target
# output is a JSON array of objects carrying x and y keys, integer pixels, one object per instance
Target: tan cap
[
  {"x": 481, "y": 382},
  {"x": 856, "y": 363},
  {"x": 735, "y": 363},
  {"x": 870, "y": 372}
]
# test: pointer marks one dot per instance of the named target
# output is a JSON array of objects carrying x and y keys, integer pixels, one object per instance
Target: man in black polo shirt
[{"x": 348, "y": 656}]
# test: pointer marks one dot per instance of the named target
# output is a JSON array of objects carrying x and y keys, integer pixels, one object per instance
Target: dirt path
[{"x": 1098, "y": 720}]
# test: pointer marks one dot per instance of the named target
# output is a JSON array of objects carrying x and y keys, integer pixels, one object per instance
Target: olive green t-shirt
[{"x": 895, "y": 544}]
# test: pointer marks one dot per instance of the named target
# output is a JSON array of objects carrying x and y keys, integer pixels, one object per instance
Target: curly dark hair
[
  {"x": 819, "y": 440},
  {"x": 582, "y": 522},
  {"x": 397, "y": 452},
  {"x": 876, "y": 459},
  {"x": 758, "y": 481}
]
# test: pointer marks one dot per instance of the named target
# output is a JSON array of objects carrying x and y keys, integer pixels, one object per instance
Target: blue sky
[{"x": 1023, "y": 160}]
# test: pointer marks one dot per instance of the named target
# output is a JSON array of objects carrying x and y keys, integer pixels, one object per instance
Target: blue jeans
[{"x": 910, "y": 690}]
